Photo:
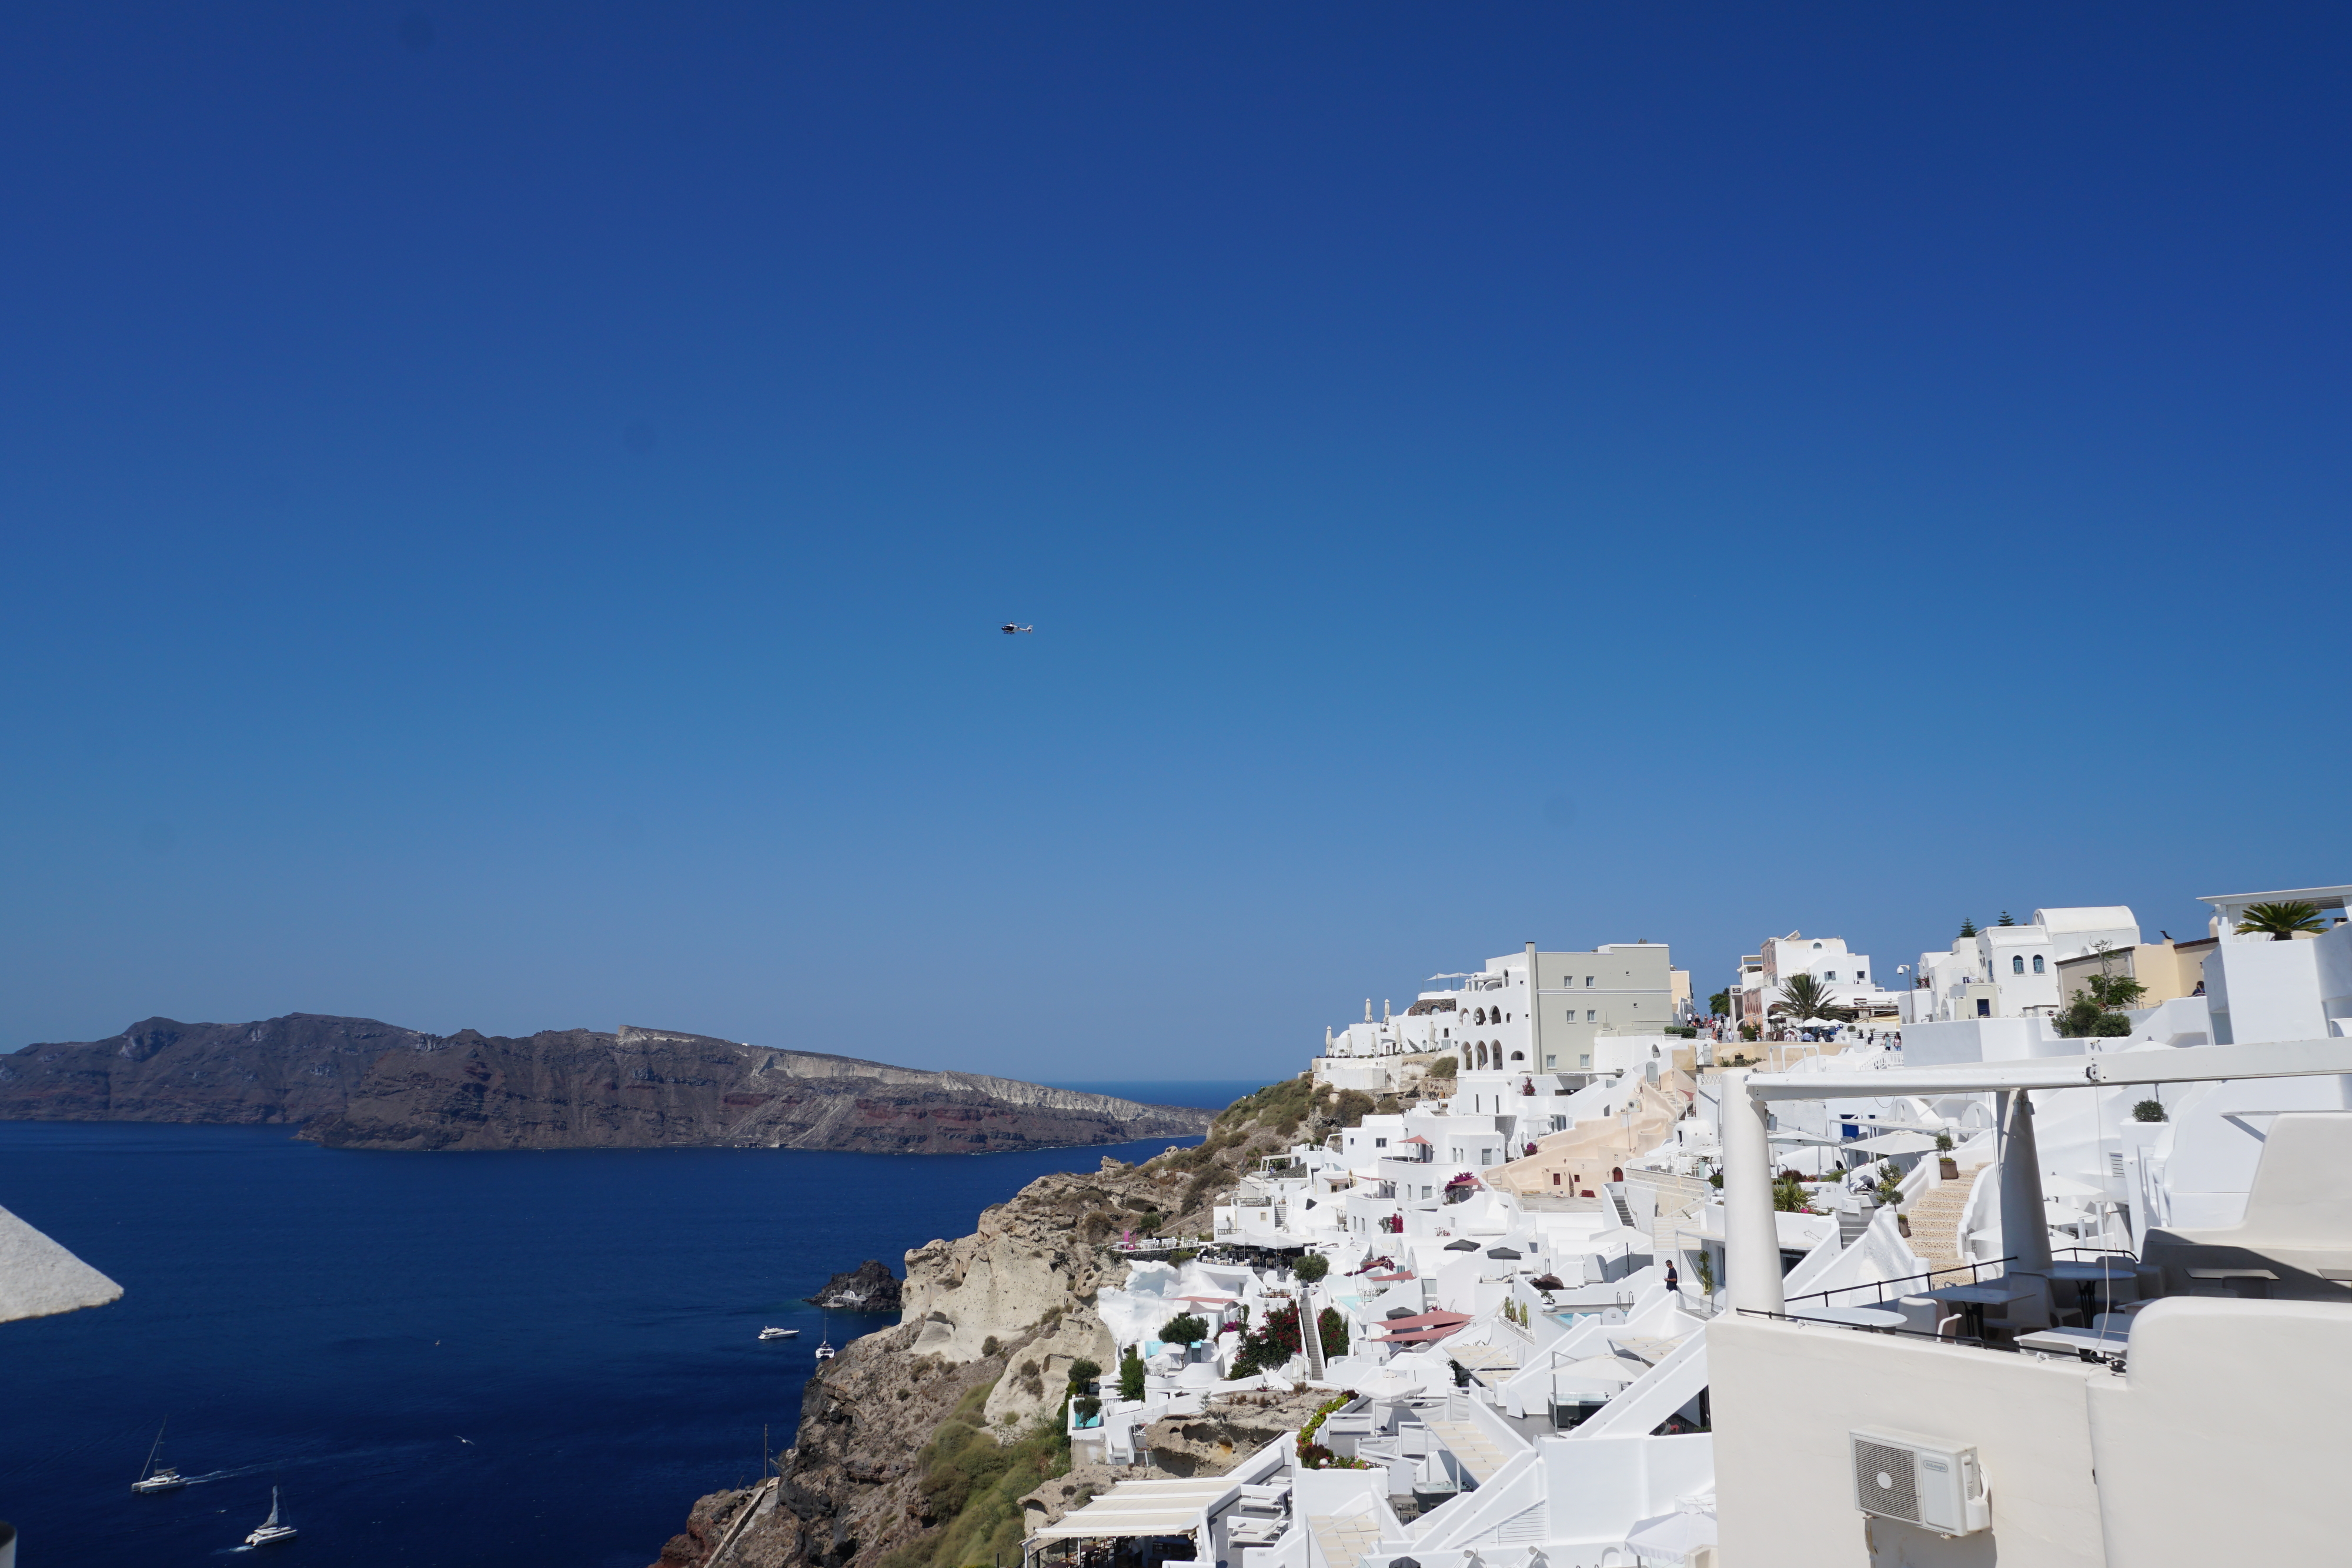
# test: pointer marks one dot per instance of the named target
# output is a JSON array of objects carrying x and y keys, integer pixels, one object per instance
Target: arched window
[
  {"x": 2017, "y": 964},
  {"x": 1518, "y": 1056},
  {"x": 1480, "y": 1017},
  {"x": 2037, "y": 963}
]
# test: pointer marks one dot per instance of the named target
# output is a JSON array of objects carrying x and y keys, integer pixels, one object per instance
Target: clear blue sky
[{"x": 508, "y": 508}]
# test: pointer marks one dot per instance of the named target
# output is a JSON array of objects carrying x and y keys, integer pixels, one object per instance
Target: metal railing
[
  {"x": 1883, "y": 1286},
  {"x": 1955, "y": 1337}
]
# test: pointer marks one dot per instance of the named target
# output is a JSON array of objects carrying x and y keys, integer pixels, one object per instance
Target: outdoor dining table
[
  {"x": 2087, "y": 1276},
  {"x": 1853, "y": 1317},
  {"x": 1972, "y": 1300}
]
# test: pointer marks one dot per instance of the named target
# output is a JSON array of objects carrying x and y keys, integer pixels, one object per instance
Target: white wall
[
  {"x": 1785, "y": 1398},
  {"x": 2226, "y": 1442},
  {"x": 1981, "y": 1040},
  {"x": 2264, "y": 990}
]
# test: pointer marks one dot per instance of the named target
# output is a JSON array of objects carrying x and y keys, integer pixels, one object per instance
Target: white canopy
[
  {"x": 1143, "y": 1507},
  {"x": 1891, "y": 1143},
  {"x": 39, "y": 1278}
]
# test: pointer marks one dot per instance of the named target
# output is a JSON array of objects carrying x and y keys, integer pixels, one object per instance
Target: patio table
[{"x": 1972, "y": 1300}]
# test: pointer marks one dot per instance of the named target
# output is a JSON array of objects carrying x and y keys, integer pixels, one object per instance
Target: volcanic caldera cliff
[{"x": 359, "y": 1083}]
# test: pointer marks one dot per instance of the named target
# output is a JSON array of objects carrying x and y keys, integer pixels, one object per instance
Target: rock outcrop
[
  {"x": 1008, "y": 1308},
  {"x": 869, "y": 1288},
  {"x": 359, "y": 1084}
]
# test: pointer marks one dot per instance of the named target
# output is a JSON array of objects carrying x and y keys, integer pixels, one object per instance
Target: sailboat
[
  {"x": 270, "y": 1529},
  {"x": 825, "y": 1346},
  {"x": 152, "y": 1479}
]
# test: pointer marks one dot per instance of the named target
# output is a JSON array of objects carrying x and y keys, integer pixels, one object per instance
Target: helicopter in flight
[{"x": 1009, "y": 629}]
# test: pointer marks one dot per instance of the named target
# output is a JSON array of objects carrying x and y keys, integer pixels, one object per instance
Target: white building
[
  {"x": 1848, "y": 977},
  {"x": 2011, "y": 971},
  {"x": 1523, "y": 1012}
]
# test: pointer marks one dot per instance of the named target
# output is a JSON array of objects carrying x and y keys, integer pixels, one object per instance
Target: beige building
[{"x": 2168, "y": 969}]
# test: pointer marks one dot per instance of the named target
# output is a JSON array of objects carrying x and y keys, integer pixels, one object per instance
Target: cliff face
[
  {"x": 849, "y": 1494},
  {"x": 359, "y": 1083}
]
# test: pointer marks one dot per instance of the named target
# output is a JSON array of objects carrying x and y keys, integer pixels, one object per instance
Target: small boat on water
[
  {"x": 825, "y": 1346},
  {"x": 151, "y": 1479},
  {"x": 270, "y": 1529},
  {"x": 824, "y": 1352},
  {"x": 780, "y": 1333}
]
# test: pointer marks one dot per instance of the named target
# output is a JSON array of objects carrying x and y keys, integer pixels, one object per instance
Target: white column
[
  {"x": 1751, "y": 1241},
  {"x": 2024, "y": 1228}
]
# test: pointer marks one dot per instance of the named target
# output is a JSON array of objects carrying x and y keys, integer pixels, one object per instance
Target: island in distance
[{"x": 356, "y": 1084}]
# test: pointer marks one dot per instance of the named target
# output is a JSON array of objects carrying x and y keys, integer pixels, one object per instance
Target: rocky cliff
[
  {"x": 359, "y": 1083},
  {"x": 869, "y": 1288},
  {"x": 993, "y": 1322}
]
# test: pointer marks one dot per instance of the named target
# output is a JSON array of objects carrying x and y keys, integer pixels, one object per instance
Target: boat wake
[{"x": 229, "y": 1475}]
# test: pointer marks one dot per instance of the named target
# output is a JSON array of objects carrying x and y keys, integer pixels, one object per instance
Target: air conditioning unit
[{"x": 1925, "y": 1482}]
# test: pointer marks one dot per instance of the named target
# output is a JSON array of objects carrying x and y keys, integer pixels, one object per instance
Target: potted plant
[{"x": 1946, "y": 1166}]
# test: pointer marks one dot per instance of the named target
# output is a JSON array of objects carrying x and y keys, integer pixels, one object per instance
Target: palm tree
[
  {"x": 1804, "y": 997},
  {"x": 2280, "y": 922}
]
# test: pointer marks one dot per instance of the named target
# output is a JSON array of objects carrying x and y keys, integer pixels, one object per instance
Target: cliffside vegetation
[{"x": 971, "y": 1485}]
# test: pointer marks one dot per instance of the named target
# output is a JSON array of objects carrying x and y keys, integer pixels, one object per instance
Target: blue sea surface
[{"x": 454, "y": 1359}]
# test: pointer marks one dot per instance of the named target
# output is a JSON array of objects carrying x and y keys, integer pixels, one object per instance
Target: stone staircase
[{"x": 1935, "y": 1218}]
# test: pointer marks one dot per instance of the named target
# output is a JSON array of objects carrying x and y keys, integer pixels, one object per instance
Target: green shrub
[
  {"x": 1083, "y": 1372},
  {"x": 1311, "y": 1267},
  {"x": 1130, "y": 1375},
  {"x": 1183, "y": 1329},
  {"x": 2148, "y": 1111},
  {"x": 1333, "y": 1330},
  {"x": 1444, "y": 1067}
]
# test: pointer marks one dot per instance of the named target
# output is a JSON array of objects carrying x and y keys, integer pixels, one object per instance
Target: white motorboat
[
  {"x": 270, "y": 1529},
  {"x": 824, "y": 1352},
  {"x": 825, "y": 1346},
  {"x": 780, "y": 1333},
  {"x": 151, "y": 1479}
]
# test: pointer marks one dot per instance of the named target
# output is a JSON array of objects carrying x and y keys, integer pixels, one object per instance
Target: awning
[
  {"x": 1891, "y": 1144},
  {"x": 1430, "y": 1320},
  {"x": 1420, "y": 1336},
  {"x": 1142, "y": 1508}
]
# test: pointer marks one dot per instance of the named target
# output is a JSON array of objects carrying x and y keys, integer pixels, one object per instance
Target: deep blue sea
[{"x": 519, "y": 1359}]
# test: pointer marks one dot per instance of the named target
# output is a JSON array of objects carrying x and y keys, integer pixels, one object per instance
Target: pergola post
[{"x": 1752, "y": 1238}]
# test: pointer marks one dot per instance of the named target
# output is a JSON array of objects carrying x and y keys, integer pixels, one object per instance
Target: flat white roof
[{"x": 2326, "y": 897}]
